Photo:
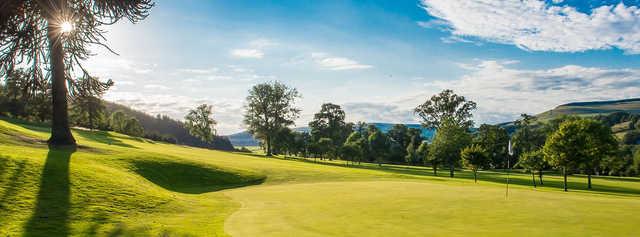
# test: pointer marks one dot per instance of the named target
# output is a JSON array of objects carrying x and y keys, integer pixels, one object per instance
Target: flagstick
[
  {"x": 510, "y": 148},
  {"x": 506, "y": 195}
]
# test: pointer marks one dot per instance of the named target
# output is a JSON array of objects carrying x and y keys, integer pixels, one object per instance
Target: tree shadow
[
  {"x": 191, "y": 178},
  {"x": 51, "y": 213},
  {"x": 14, "y": 181},
  {"x": 102, "y": 137}
]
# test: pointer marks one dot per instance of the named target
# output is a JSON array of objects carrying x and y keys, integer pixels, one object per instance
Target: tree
[
  {"x": 400, "y": 134},
  {"x": 351, "y": 152},
  {"x": 132, "y": 127},
  {"x": 87, "y": 102},
  {"x": 326, "y": 147},
  {"x": 200, "y": 123},
  {"x": 379, "y": 145},
  {"x": 446, "y": 106},
  {"x": 493, "y": 139},
  {"x": 117, "y": 121},
  {"x": 329, "y": 123},
  {"x": 35, "y": 33},
  {"x": 270, "y": 106},
  {"x": 579, "y": 144},
  {"x": 600, "y": 144},
  {"x": 423, "y": 153},
  {"x": 527, "y": 136},
  {"x": 474, "y": 157},
  {"x": 447, "y": 144},
  {"x": 533, "y": 161},
  {"x": 359, "y": 140},
  {"x": 412, "y": 155}
]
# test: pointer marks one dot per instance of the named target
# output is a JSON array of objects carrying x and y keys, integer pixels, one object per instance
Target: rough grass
[{"x": 115, "y": 185}]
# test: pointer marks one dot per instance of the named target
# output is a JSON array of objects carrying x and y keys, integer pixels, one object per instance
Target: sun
[{"x": 66, "y": 27}]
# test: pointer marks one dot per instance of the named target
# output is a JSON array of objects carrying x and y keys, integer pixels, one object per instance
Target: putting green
[{"x": 401, "y": 208}]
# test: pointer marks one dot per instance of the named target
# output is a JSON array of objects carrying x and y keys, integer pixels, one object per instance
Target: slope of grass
[{"x": 115, "y": 185}]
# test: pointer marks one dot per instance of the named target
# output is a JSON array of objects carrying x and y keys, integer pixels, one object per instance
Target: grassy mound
[{"x": 192, "y": 178}]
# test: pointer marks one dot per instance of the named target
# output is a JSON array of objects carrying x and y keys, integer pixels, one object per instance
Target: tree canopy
[
  {"x": 446, "y": 106},
  {"x": 52, "y": 37},
  {"x": 270, "y": 107},
  {"x": 200, "y": 123}
]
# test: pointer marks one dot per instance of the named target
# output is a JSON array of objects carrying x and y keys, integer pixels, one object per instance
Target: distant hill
[
  {"x": 165, "y": 126},
  {"x": 593, "y": 108},
  {"x": 246, "y": 139}
]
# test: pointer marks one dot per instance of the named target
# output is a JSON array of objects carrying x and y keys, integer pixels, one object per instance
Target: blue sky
[{"x": 378, "y": 59}]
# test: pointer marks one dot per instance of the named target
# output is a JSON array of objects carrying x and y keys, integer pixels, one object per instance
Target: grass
[{"x": 115, "y": 185}]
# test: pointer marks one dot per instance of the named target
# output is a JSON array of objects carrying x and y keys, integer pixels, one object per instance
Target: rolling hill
[
  {"x": 117, "y": 185},
  {"x": 593, "y": 108}
]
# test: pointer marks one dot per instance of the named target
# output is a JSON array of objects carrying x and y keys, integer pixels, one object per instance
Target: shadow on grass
[
  {"x": 103, "y": 137},
  {"x": 51, "y": 214},
  {"x": 14, "y": 180},
  {"x": 101, "y": 226},
  {"x": 516, "y": 178},
  {"x": 192, "y": 179}
]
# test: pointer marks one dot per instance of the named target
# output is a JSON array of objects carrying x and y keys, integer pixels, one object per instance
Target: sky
[{"x": 377, "y": 59}]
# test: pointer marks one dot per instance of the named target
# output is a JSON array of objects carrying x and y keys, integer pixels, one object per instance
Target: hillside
[
  {"x": 246, "y": 139},
  {"x": 165, "y": 126},
  {"x": 593, "y": 108},
  {"x": 116, "y": 185}
]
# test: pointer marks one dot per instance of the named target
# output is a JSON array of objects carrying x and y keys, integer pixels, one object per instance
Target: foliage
[
  {"x": 32, "y": 35},
  {"x": 493, "y": 139},
  {"x": 132, "y": 127},
  {"x": 474, "y": 157},
  {"x": 270, "y": 107},
  {"x": 379, "y": 146},
  {"x": 533, "y": 161},
  {"x": 579, "y": 144},
  {"x": 200, "y": 123},
  {"x": 326, "y": 148},
  {"x": 330, "y": 123},
  {"x": 351, "y": 152},
  {"x": 447, "y": 144},
  {"x": 446, "y": 106}
]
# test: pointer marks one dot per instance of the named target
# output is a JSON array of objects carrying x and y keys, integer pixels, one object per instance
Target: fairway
[{"x": 116, "y": 185}]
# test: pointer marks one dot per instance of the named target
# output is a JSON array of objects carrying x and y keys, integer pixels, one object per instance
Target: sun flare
[{"x": 66, "y": 27}]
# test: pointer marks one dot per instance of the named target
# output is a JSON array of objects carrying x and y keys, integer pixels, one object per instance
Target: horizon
[{"x": 376, "y": 59}]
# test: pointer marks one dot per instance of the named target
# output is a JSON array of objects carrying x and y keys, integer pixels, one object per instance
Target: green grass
[{"x": 115, "y": 185}]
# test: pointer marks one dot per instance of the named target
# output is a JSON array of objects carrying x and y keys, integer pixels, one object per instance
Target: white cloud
[
  {"x": 337, "y": 63},
  {"x": 503, "y": 92},
  {"x": 227, "y": 72},
  {"x": 536, "y": 25},
  {"x": 247, "y": 53},
  {"x": 156, "y": 87}
]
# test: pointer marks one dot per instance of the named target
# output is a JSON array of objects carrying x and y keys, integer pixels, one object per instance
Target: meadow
[{"x": 116, "y": 185}]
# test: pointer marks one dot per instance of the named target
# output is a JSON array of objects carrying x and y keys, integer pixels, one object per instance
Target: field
[{"x": 115, "y": 185}]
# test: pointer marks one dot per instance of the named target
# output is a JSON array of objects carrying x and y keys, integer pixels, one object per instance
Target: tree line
[{"x": 566, "y": 144}]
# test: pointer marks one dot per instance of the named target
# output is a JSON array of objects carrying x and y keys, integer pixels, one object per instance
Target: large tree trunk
[
  {"x": 60, "y": 131},
  {"x": 435, "y": 170},
  {"x": 268, "y": 145},
  {"x": 589, "y": 181}
]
